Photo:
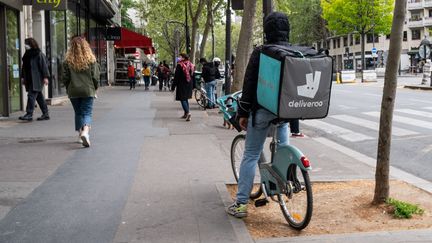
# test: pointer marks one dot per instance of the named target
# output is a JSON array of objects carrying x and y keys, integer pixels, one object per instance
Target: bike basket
[{"x": 294, "y": 82}]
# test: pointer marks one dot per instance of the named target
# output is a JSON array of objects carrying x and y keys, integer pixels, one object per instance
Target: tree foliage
[
  {"x": 307, "y": 25},
  {"x": 348, "y": 16},
  {"x": 361, "y": 17},
  {"x": 125, "y": 18}
]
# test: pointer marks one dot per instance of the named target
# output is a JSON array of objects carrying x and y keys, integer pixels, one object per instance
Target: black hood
[{"x": 276, "y": 27}]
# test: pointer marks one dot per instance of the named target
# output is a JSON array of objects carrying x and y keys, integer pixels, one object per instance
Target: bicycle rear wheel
[
  {"x": 297, "y": 205},
  {"x": 200, "y": 98},
  {"x": 237, "y": 150}
]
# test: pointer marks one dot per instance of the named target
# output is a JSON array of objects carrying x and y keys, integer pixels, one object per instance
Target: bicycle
[
  {"x": 285, "y": 177},
  {"x": 200, "y": 94}
]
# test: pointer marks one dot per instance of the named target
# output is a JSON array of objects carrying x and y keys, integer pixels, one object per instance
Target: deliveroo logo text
[{"x": 312, "y": 85}]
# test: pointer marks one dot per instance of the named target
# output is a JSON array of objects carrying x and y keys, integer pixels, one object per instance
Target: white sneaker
[
  {"x": 79, "y": 140},
  {"x": 85, "y": 139}
]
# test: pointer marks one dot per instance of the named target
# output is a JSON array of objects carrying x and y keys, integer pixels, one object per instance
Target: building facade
[
  {"x": 52, "y": 27},
  {"x": 346, "y": 50}
]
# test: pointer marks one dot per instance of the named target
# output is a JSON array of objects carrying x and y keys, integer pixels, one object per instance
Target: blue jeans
[
  {"x": 210, "y": 89},
  {"x": 185, "y": 106},
  {"x": 83, "y": 108},
  {"x": 255, "y": 138}
]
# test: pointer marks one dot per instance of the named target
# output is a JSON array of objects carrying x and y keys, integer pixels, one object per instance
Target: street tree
[
  {"x": 306, "y": 22},
  {"x": 359, "y": 17},
  {"x": 245, "y": 44},
  {"x": 195, "y": 10},
  {"x": 387, "y": 104},
  {"x": 210, "y": 23},
  {"x": 125, "y": 19}
]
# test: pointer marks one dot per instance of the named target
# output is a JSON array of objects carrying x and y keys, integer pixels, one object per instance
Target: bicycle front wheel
[
  {"x": 237, "y": 151},
  {"x": 200, "y": 98},
  {"x": 297, "y": 204}
]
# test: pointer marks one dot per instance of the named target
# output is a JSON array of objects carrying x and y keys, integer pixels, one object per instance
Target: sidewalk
[{"x": 149, "y": 176}]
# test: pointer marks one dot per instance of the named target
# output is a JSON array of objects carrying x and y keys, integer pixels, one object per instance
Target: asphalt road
[{"x": 353, "y": 121}]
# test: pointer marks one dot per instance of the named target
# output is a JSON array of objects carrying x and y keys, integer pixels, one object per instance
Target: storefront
[
  {"x": 88, "y": 18},
  {"x": 10, "y": 58}
]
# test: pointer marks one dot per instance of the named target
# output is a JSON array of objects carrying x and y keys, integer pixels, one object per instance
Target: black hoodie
[{"x": 276, "y": 29}]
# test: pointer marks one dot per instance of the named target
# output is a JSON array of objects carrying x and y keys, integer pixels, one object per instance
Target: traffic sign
[{"x": 374, "y": 50}]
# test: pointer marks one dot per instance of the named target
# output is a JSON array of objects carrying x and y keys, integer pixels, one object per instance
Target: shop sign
[
  {"x": 113, "y": 34},
  {"x": 52, "y": 5}
]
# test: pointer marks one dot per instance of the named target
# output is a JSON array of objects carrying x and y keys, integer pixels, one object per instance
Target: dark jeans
[
  {"x": 36, "y": 96},
  {"x": 132, "y": 82},
  {"x": 162, "y": 82},
  {"x": 294, "y": 126},
  {"x": 146, "y": 81},
  {"x": 185, "y": 105},
  {"x": 83, "y": 108}
]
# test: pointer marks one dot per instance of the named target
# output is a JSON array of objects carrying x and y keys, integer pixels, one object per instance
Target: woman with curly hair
[{"x": 81, "y": 78}]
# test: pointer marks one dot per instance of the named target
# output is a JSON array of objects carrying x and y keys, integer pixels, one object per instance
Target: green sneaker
[{"x": 237, "y": 210}]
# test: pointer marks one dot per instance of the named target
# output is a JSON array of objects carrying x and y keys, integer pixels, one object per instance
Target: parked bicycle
[{"x": 284, "y": 179}]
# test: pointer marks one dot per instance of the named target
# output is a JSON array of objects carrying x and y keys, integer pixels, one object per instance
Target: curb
[
  {"x": 238, "y": 225},
  {"x": 421, "y": 87}
]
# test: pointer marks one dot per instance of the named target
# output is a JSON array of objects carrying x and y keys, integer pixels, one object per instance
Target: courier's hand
[{"x": 243, "y": 122}]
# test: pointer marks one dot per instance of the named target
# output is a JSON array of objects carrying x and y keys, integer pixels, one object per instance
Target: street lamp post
[
  {"x": 228, "y": 49},
  {"x": 188, "y": 47}
]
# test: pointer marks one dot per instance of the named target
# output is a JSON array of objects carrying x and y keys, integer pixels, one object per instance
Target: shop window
[{"x": 415, "y": 35}]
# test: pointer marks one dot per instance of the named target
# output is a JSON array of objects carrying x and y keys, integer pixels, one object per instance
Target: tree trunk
[
  {"x": 207, "y": 27},
  {"x": 387, "y": 105},
  {"x": 245, "y": 44},
  {"x": 195, "y": 25},
  {"x": 363, "y": 64}
]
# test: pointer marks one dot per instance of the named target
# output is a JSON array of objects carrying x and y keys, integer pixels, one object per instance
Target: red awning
[{"x": 130, "y": 39}]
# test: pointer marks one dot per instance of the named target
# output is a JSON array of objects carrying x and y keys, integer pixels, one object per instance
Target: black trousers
[
  {"x": 294, "y": 126},
  {"x": 37, "y": 96}
]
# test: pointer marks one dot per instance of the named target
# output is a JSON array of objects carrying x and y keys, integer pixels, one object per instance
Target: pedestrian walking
[
  {"x": 131, "y": 75},
  {"x": 35, "y": 76},
  {"x": 167, "y": 74},
  {"x": 183, "y": 83},
  {"x": 210, "y": 73},
  {"x": 162, "y": 73},
  {"x": 253, "y": 118},
  {"x": 146, "y": 74},
  {"x": 295, "y": 128},
  {"x": 81, "y": 78}
]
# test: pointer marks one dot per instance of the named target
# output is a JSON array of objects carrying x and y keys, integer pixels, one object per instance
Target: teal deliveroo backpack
[{"x": 294, "y": 82}]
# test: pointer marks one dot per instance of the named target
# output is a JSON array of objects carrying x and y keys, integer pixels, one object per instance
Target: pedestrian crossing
[{"x": 364, "y": 126}]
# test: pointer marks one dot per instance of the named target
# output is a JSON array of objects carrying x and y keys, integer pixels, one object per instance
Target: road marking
[
  {"x": 372, "y": 125},
  {"x": 423, "y": 101},
  {"x": 415, "y": 112},
  {"x": 406, "y": 120},
  {"x": 338, "y": 131},
  {"x": 394, "y": 172}
]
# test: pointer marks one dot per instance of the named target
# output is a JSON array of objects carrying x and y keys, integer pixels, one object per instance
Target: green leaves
[
  {"x": 404, "y": 209},
  {"x": 348, "y": 16}
]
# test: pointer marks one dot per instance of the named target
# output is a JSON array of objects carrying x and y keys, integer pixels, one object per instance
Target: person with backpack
[
  {"x": 210, "y": 73},
  {"x": 35, "y": 76},
  {"x": 253, "y": 118}
]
